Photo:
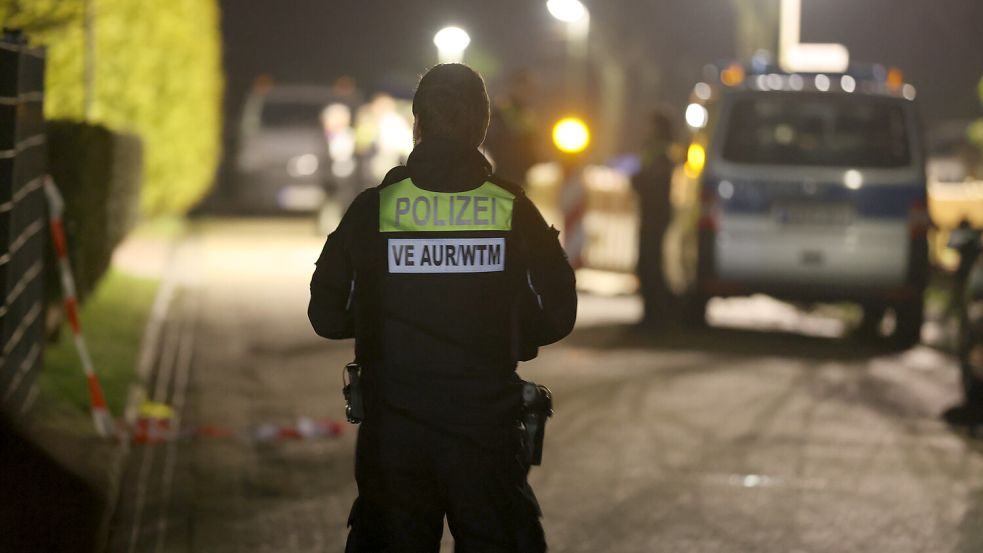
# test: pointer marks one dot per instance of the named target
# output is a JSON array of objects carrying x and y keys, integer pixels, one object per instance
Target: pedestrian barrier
[
  {"x": 573, "y": 203},
  {"x": 596, "y": 212},
  {"x": 611, "y": 221},
  {"x": 56, "y": 208},
  {"x": 22, "y": 222}
]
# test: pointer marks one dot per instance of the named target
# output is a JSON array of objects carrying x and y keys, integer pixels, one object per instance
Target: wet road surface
[{"x": 767, "y": 432}]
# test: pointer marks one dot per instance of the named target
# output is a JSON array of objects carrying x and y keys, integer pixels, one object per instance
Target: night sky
[{"x": 384, "y": 44}]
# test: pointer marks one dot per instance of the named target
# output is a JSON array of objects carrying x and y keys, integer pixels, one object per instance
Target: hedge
[
  {"x": 157, "y": 75},
  {"x": 98, "y": 173}
]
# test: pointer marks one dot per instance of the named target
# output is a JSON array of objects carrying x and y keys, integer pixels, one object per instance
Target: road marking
[
  {"x": 148, "y": 353},
  {"x": 165, "y": 371},
  {"x": 184, "y": 363}
]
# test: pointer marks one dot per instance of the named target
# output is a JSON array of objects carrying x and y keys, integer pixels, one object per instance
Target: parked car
[
  {"x": 281, "y": 161},
  {"x": 806, "y": 187}
]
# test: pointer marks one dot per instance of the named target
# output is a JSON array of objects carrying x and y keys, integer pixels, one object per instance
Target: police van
[{"x": 806, "y": 187}]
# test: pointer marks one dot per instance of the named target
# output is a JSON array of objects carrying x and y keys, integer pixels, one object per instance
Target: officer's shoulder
[
  {"x": 367, "y": 198},
  {"x": 509, "y": 186},
  {"x": 396, "y": 174}
]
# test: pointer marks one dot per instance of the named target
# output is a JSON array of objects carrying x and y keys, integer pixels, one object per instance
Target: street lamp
[
  {"x": 577, "y": 21},
  {"x": 567, "y": 11},
  {"x": 451, "y": 43},
  {"x": 571, "y": 135}
]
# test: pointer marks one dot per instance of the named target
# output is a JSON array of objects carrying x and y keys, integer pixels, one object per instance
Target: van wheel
[
  {"x": 870, "y": 324},
  {"x": 908, "y": 326},
  {"x": 694, "y": 310},
  {"x": 970, "y": 349},
  {"x": 970, "y": 361}
]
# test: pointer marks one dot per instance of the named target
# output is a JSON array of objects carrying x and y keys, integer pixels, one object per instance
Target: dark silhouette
[
  {"x": 446, "y": 276},
  {"x": 513, "y": 139},
  {"x": 651, "y": 184},
  {"x": 45, "y": 507}
]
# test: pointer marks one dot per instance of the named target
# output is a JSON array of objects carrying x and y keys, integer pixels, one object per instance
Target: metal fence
[{"x": 22, "y": 221}]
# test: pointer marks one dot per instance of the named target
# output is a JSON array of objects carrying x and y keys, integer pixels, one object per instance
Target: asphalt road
[{"x": 768, "y": 432}]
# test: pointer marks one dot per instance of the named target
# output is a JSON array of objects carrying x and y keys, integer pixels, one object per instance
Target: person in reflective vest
[{"x": 447, "y": 277}]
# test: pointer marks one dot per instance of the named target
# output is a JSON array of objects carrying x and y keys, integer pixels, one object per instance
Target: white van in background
[
  {"x": 282, "y": 155},
  {"x": 806, "y": 187}
]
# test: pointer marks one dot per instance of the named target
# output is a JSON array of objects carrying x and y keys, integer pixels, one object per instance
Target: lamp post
[
  {"x": 451, "y": 42},
  {"x": 567, "y": 11},
  {"x": 89, "y": 57},
  {"x": 576, "y": 18}
]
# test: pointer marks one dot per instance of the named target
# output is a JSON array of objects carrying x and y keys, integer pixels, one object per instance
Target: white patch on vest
[{"x": 446, "y": 255}]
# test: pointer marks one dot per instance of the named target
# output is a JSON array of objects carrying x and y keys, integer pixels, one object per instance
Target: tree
[
  {"x": 976, "y": 129},
  {"x": 757, "y": 26}
]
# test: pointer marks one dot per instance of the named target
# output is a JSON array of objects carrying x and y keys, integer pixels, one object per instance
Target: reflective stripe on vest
[{"x": 403, "y": 207}]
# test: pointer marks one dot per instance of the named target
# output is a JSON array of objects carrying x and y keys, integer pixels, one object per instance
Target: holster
[{"x": 537, "y": 406}]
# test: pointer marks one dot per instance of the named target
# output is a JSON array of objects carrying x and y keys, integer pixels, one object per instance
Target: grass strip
[{"x": 113, "y": 321}]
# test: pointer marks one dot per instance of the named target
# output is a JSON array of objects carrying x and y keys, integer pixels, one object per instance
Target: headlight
[{"x": 303, "y": 165}]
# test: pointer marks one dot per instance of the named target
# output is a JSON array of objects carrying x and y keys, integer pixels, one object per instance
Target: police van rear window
[{"x": 817, "y": 129}]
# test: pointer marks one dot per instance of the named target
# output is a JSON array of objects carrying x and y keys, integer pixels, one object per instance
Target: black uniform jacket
[{"x": 440, "y": 318}]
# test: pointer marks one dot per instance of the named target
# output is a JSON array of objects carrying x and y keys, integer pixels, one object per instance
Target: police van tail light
[
  {"x": 709, "y": 210},
  {"x": 918, "y": 218}
]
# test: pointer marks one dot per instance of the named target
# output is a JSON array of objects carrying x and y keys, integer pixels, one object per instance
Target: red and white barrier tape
[
  {"x": 100, "y": 412},
  {"x": 150, "y": 430},
  {"x": 304, "y": 429}
]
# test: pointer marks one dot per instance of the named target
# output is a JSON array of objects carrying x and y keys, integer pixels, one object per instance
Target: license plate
[
  {"x": 301, "y": 197},
  {"x": 815, "y": 215}
]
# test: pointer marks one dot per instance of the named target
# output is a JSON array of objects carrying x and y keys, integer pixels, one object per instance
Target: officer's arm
[
  {"x": 550, "y": 274},
  {"x": 332, "y": 285}
]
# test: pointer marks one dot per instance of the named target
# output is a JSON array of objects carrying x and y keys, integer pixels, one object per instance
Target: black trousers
[
  {"x": 651, "y": 278},
  {"x": 411, "y": 474}
]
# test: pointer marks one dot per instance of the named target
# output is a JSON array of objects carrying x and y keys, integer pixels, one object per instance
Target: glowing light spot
[
  {"x": 853, "y": 180},
  {"x": 696, "y": 158},
  {"x": 451, "y": 42},
  {"x": 702, "y": 91},
  {"x": 822, "y": 83},
  {"x": 909, "y": 92},
  {"x": 566, "y": 11},
  {"x": 775, "y": 81},
  {"x": 303, "y": 165},
  {"x": 848, "y": 83},
  {"x": 696, "y": 116},
  {"x": 795, "y": 82},
  {"x": 732, "y": 76},
  {"x": 725, "y": 189},
  {"x": 571, "y": 135}
]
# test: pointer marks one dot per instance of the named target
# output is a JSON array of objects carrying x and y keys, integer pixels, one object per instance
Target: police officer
[
  {"x": 651, "y": 184},
  {"x": 513, "y": 140},
  {"x": 445, "y": 276}
]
